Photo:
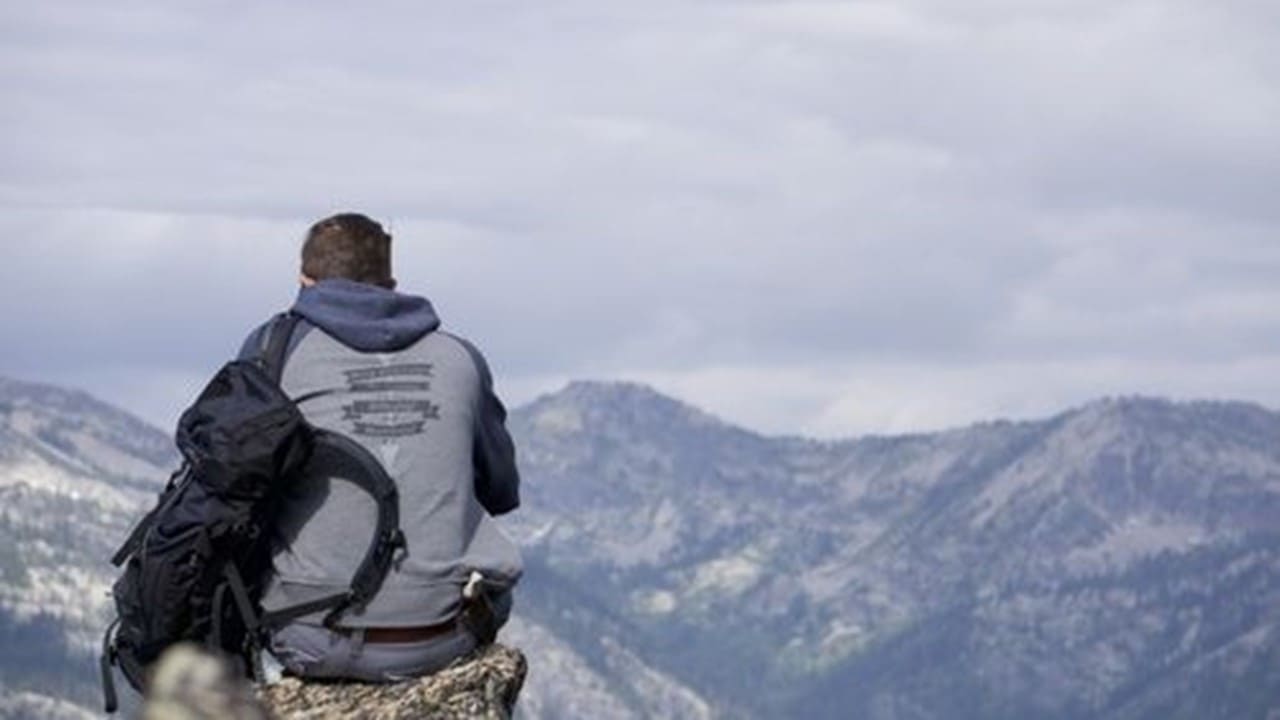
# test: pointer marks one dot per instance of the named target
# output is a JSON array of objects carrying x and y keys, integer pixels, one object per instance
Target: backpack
[{"x": 195, "y": 566}]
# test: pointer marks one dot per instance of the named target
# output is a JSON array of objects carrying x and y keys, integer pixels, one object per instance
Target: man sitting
[{"x": 372, "y": 364}]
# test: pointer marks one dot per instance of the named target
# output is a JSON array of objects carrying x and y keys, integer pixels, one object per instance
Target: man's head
[{"x": 348, "y": 246}]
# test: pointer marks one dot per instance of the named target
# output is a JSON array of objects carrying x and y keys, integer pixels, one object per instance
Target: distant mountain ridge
[
  {"x": 73, "y": 430},
  {"x": 1118, "y": 560},
  {"x": 863, "y": 578},
  {"x": 74, "y": 474}
]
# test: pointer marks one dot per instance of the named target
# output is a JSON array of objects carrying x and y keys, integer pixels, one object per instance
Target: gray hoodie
[{"x": 372, "y": 364}]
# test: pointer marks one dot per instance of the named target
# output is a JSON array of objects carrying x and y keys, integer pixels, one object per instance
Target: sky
[{"x": 818, "y": 218}]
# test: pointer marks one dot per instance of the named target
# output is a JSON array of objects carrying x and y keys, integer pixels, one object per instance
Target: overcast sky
[{"x": 829, "y": 218}]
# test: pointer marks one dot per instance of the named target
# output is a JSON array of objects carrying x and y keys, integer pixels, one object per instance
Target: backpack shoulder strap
[
  {"x": 276, "y": 347},
  {"x": 348, "y": 460}
]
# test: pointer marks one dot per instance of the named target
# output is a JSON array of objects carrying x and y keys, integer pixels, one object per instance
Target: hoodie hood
[{"x": 367, "y": 318}]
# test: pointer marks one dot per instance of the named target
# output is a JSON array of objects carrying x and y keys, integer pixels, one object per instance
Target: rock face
[
  {"x": 484, "y": 687},
  {"x": 191, "y": 685}
]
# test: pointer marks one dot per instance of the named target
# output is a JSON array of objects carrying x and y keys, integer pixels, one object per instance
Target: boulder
[
  {"x": 484, "y": 687},
  {"x": 189, "y": 684}
]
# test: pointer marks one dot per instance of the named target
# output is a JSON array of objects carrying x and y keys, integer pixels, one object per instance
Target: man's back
[{"x": 371, "y": 364}]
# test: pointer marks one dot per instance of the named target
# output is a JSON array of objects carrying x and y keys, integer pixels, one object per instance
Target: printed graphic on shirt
[
  {"x": 390, "y": 417},
  {"x": 391, "y": 378}
]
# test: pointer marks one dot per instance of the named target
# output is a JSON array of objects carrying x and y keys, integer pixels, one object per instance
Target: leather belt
[{"x": 400, "y": 635}]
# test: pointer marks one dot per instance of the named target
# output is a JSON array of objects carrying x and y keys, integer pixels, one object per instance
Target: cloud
[
  {"x": 893, "y": 398},
  {"x": 720, "y": 196}
]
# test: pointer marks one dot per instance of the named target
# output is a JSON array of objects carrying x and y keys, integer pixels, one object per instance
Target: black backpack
[{"x": 195, "y": 566}]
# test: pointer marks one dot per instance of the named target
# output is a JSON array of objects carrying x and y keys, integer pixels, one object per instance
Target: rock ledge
[
  {"x": 191, "y": 685},
  {"x": 484, "y": 686}
]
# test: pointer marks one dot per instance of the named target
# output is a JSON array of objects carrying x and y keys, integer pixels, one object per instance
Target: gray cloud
[{"x": 999, "y": 199}]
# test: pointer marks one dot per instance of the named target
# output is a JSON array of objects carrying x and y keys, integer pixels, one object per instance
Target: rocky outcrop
[
  {"x": 191, "y": 685},
  {"x": 484, "y": 687}
]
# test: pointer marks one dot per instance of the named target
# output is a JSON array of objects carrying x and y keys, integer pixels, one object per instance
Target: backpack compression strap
[{"x": 130, "y": 545}]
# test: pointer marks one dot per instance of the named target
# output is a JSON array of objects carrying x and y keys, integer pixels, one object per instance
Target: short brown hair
[{"x": 349, "y": 246}]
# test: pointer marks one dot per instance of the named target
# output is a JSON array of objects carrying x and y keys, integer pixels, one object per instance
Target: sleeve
[{"x": 494, "y": 453}]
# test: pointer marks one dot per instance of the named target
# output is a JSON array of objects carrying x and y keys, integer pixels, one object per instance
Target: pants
[{"x": 313, "y": 651}]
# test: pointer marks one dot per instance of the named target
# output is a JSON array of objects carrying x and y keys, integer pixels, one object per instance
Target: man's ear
[{"x": 306, "y": 280}]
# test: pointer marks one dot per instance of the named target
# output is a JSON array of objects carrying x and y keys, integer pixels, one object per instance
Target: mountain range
[{"x": 1118, "y": 560}]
